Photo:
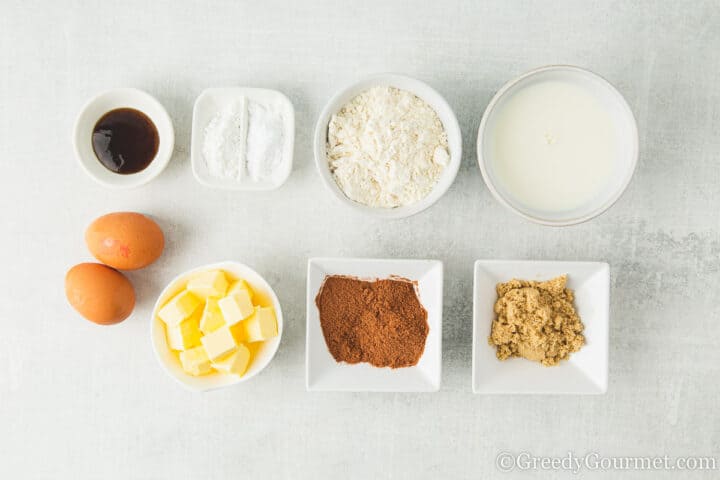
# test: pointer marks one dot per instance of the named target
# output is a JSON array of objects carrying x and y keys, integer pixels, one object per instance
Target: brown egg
[
  {"x": 125, "y": 240},
  {"x": 99, "y": 293}
]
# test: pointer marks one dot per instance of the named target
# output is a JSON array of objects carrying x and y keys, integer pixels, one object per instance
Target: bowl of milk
[{"x": 558, "y": 145}]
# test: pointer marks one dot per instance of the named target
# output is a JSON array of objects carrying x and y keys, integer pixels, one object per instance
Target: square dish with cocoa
[{"x": 374, "y": 325}]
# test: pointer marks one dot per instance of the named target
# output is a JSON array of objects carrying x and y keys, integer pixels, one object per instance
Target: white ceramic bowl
[
  {"x": 323, "y": 373},
  {"x": 427, "y": 94},
  {"x": 627, "y": 135},
  {"x": 585, "y": 372},
  {"x": 99, "y": 106},
  {"x": 212, "y": 101},
  {"x": 170, "y": 361}
]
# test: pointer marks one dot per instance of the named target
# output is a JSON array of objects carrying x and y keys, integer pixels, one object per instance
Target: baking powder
[{"x": 244, "y": 142}]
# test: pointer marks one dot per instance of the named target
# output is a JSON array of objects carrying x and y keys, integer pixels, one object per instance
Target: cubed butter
[
  {"x": 208, "y": 284},
  {"x": 212, "y": 318},
  {"x": 219, "y": 343},
  {"x": 236, "y": 307},
  {"x": 261, "y": 325},
  {"x": 196, "y": 361},
  {"x": 186, "y": 334},
  {"x": 238, "y": 286},
  {"x": 236, "y": 363},
  {"x": 238, "y": 332},
  {"x": 179, "y": 308}
]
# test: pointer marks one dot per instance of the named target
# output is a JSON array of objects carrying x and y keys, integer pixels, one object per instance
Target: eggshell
[
  {"x": 99, "y": 293},
  {"x": 125, "y": 240}
]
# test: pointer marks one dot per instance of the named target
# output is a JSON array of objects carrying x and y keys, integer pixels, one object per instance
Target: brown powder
[
  {"x": 537, "y": 321},
  {"x": 381, "y": 323}
]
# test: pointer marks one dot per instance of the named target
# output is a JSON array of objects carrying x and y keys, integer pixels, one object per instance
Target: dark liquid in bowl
[{"x": 125, "y": 140}]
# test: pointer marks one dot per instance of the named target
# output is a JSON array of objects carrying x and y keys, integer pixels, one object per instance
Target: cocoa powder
[{"x": 381, "y": 323}]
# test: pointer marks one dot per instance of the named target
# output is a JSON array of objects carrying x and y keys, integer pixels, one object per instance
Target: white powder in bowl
[
  {"x": 244, "y": 141},
  {"x": 224, "y": 143},
  {"x": 387, "y": 148},
  {"x": 264, "y": 142}
]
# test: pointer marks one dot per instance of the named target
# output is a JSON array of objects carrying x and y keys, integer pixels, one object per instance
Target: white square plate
[
  {"x": 585, "y": 372},
  {"x": 210, "y": 103},
  {"x": 323, "y": 373}
]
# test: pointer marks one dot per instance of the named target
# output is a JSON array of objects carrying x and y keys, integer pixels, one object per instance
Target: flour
[
  {"x": 244, "y": 141},
  {"x": 386, "y": 148}
]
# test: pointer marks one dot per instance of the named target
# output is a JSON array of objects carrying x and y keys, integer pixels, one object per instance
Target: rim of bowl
[
  {"x": 611, "y": 200},
  {"x": 433, "y": 98},
  {"x": 162, "y": 121},
  {"x": 220, "y": 266}
]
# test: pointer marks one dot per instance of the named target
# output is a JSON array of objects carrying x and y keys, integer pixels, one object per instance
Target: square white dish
[
  {"x": 585, "y": 372},
  {"x": 210, "y": 102},
  {"x": 323, "y": 373}
]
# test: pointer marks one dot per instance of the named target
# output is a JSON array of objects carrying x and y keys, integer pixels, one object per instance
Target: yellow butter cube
[
  {"x": 186, "y": 334},
  {"x": 236, "y": 307},
  {"x": 219, "y": 343},
  {"x": 208, "y": 284},
  {"x": 239, "y": 285},
  {"x": 261, "y": 326},
  {"x": 212, "y": 318},
  {"x": 235, "y": 363},
  {"x": 179, "y": 308},
  {"x": 238, "y": 332},
  {"x": 195, "y": 361}
]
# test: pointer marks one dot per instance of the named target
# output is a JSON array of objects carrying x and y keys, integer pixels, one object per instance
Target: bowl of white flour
[{"x": 389, "y": 146}]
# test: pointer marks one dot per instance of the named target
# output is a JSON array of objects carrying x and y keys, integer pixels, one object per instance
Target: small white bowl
[
  {"x": 170, "y": 361},
  {"x": 625, "y": 126},
  {"x": 323, "y": 373},
  {"x": 427, "y": 94},
  {"x": 99, "y": 106},
  {"x": 210, "y": 102},
  {"x": 585, "y": 372}
]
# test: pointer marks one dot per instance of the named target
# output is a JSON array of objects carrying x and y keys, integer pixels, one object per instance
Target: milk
[{"x": 552, "y": 146}]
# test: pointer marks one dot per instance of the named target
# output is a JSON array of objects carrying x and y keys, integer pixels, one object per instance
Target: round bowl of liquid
[
  {"x": 123, "y": 138},
  {"x": 558, "y": 145}
]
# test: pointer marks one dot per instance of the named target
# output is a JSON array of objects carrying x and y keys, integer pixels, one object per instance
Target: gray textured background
[{"x": 80, "y": 401}]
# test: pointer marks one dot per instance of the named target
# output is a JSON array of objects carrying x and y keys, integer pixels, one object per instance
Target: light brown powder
[{"x": 536, "y": 320}]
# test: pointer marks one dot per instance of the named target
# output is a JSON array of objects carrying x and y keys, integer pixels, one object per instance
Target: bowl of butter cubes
[{"x": 216, "y": 325}]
